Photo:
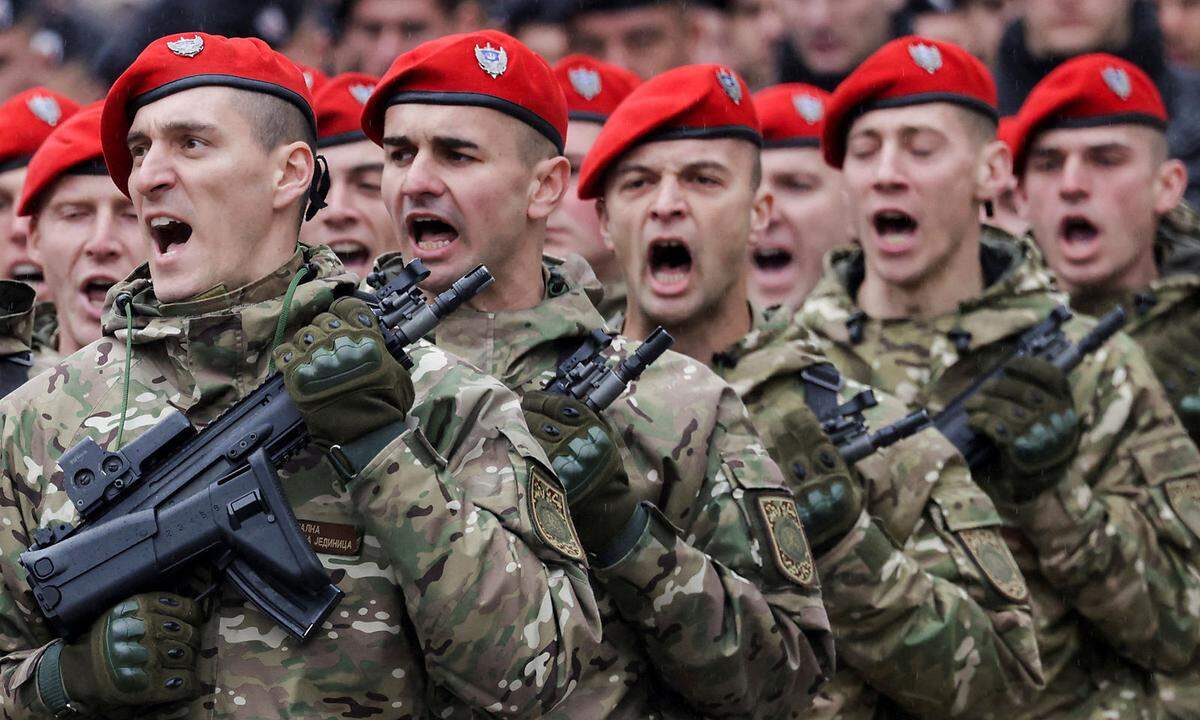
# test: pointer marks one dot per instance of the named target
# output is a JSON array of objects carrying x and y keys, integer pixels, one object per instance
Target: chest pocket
[
  {"x": 1168, "y": 460},
  {"x": 971, "y": 518}
]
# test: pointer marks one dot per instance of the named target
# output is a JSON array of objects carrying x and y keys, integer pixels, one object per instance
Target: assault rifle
[
  {"x": 1045, "y": 340},
  {"x": 587, "y": 378},
  {"x": 850, "y": 435},
  {"x": 176, "y": 496}
]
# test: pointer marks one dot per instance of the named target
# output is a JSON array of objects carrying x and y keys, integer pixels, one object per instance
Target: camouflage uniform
[
  {"x": 45, "y": 335},
  {"x": 461, "y": 600},
  {"x": 685, "y": 633},
  {"x": 612, "y": 305},
  {"x": 1110, "y": 553},
  {"x": 18, "y": 325},
  {"x": 894, "y": 586}
]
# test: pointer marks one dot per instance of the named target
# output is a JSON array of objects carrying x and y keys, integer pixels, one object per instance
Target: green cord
[
  {"x": 281, "y": 324},
  {"x": 128, "y": 360}
]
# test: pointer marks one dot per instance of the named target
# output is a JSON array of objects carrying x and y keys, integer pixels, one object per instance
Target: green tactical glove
[
  {"x": 1029, "y": 414},
  {"x": 828, "y": 499},
  {"x": 341, "y": 376},
  {"x": 141, "y": 652},
  {"x": 581, "y": 450},
  {"x": 1175, "y": 356}
]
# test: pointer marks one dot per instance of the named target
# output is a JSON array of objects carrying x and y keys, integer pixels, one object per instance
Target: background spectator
[
  {"x": 825, "y": 39},
  {"x": 976, "y": 25},
  {"x": 541, "y": 25},
  {"x": 645, "y": 36}
]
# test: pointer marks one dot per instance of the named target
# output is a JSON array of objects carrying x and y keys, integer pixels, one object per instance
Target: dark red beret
[
  {"x": 593, "y": 88},
  {"x": 908, "y": 71},
  {"x": 1088, "y": 91},
  {"x": 791, "y": 114},
  {"x": 194, "y": 59},
  {"x": 1004, "y": 131},
  {"x": 485, "y": 68},
  {"x": 72, "y": 148},
  {"x": 693, "y": 101},
  {"x": 339, "y": 104},
  {"x": 26, "y": 120}
]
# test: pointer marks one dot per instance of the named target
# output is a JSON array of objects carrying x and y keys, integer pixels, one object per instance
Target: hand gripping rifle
[
  {"x": 1045, "y": 340},
  {"x": 176, "y": 496},
  {"x": 587, "y": 378}
]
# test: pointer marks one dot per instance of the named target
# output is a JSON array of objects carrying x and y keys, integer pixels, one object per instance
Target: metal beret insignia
[
  {"x": 551, "y": 517},
  {"x": 987, "y": 548},
  {"x": 927, "y": 57},
  {"x": 361, "y": 93},
  {"x": 45, "y": 108},
  {"x": 586, "y": 81},
  {"x": 729, "y": 83},
  {"x": 1117, "y": 80},
  {"x": 493, "y": 61},
  {"x": 785, "y": 534},
  {"x": 186, "y": 47},
  {"x": 809, "y": 107}
]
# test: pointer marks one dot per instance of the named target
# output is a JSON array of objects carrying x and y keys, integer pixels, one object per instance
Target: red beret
[
  {"x": 73, "y": 148},
  {"x": 313, "y": 77},
  {"x": 791, "y": 114},
  {"x": 194, "y": 59},
  {"x": 593, "y": 88},
  {"x": 339, "y": 105},
  {"x": 693, "y": 101},
  {"x": 486, "y": 68},
  {"x": 26, "y": 120},
  {"x": 908, "y": 71},
  {"x": 1004, "y": 131},
  {"x": 1087, "y": 91}
]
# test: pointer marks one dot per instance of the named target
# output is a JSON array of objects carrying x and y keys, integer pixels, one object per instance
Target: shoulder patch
[
  {"x": 785, "y": 534},
  {"x": 987, "y": 548},
  {"x": 551, "y": 517},
  {"x": 1185, "y": 500}
]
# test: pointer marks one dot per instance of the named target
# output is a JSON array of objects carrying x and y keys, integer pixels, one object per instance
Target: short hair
[
  {"x": 275, "y": 121},
  {"x": 534, "y": 147}
]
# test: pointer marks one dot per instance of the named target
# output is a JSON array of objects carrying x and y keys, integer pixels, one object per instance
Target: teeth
[
  {"x": 26, "y": 269},
  {"x": 433, "y": 244},
  {"x": 160, "y": 222}
]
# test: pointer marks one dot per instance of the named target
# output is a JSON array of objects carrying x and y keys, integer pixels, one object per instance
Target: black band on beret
[
  {"x": 525, "y": 115},
  {"x": 95, "y": 166},
  {"x": 341, "y": 139},
  {"x": 1133, "y": 118},
  {"x": 13, "y": 163},
  {"x": 231, "y": 81},
  {"x": 740, "y": 132},
  {"x": 582, "y": 116},
  {"x": 794, "y": 142},
  {"x": 970, "y": 103}
]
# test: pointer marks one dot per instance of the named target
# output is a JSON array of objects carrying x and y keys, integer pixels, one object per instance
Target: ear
[
  {"x": 993, "y": 171},
  {"x": 1170, "y": 182},
  {"x": 605, "y": 235},
  {"x": 294, "y": 167},
  {"x": 551, "y": 177},
  {"x": 760, "y": 211}
]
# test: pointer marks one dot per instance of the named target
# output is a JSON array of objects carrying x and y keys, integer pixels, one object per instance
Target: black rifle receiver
[
  {"x": 1045, "y": 340},
  {"x": 587, "y": 378},
  {"x": 847, "y": 428},
  {"x": 175, "y": 496}
]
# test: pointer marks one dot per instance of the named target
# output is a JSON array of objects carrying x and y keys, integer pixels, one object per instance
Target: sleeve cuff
[{"x": 625, "y": 541}]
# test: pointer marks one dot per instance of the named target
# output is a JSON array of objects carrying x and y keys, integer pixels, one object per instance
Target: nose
[
  {"x": 102, "y": 245},
  {"x": 889, "y": 177},
  {"x": 153, "y": 174},
  {"x": 338, "y": 213},
  {"x": 420, "y": 178},
  {"x": 1074, "y": 186},
  {"x": 19, "y": 231},
  {"x": 668, "y": 204}
]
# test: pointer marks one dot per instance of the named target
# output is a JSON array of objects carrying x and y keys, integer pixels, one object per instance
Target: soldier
[
  {"x": 1106, "y": 206},
  {"x": 1095, "y": 475},
  {"x": 82, "y": 230},
  {"x": 679, "y": 161},
  {"x": 465, "y": 588},
  {"x": 808, "y": 215},
  {"x": 673, "y": 479},
  {"x": 354, "y": 222},
  {"x": 26, "y": 120},
  {"x": 593, "y": 89}
]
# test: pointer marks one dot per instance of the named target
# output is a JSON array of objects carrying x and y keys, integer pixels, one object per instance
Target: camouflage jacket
[
  {"x": 1110, "y": 554},
  {"x": 700, "y": 616},
  {"x": 924, "y": 580},
  {"x": 17, "y": 321},
  {"x": 612, "y": 305},
  {"x": 460, "y": 601}
]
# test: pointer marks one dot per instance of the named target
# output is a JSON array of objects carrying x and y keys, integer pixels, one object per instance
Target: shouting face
[
  {"x": 679, "y": 214},
  {"x": 15, "y": 260}
]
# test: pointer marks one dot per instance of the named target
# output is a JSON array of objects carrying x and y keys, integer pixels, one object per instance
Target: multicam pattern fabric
[
  {"x": 698, "y": 620},
  {"x": 17, "y": 327},
  {"x": 907, "y": 588},
  {"x": 1111, "y": 567},
  {"x": 454, "y": 607}
]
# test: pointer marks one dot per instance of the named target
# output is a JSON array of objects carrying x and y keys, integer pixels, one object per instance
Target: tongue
[{"x": 1080, "y": 234}]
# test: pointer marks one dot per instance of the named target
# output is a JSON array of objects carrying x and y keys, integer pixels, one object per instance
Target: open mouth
[
  {"x": 431, "y": 234},
  {"x": 27, "y": 273},
  {"x": 670, "y": 263},
  {"x": 96, "y": 289},
  {"x": 1077, "y": 230},
  {"x": 168, "y": 232},
  {"x": 771, "y": 259},
  {"x": 351, "y": 253},
  {"x": 893, "y": 222}
]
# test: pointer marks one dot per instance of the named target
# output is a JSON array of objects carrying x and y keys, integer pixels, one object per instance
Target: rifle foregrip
[{"x": 1105, "y": 328}]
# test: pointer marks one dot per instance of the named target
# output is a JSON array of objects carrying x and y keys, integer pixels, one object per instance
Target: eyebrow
[
  {"x": 174, "y": 126},
  {"x": 445, "y": 141},
  {"x": 367, "y": 167},
  {"x": 691, "y": 166}
]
